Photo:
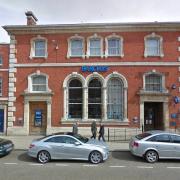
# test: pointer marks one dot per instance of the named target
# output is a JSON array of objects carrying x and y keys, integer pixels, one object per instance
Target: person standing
[
  {"x": 93, "y": 129},
  {"x": 101, "y": 132},
  {"x": 75, "y": 128}
]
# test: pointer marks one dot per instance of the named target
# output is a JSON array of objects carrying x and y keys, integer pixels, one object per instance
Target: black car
[{"x": 6, "y": 146}]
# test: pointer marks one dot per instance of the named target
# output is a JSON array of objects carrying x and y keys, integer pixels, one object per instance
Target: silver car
[
  {"x": 154, "y": 145},
  {"x": 68, "y": 146}
]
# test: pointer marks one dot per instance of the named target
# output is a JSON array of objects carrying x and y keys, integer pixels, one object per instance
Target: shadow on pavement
[{"x": 25, "y": 158}]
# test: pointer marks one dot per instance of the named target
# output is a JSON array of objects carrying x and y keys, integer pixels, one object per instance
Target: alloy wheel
[
  {"x": 43, "y": 157},
  {"x": 151, "y": 156},
  {"x": 95, "y": 157}
]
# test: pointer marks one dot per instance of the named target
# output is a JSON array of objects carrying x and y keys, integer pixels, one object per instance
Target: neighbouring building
[{"x": 126, "y": 75}]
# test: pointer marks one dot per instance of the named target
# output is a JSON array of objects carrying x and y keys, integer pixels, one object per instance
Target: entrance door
[
  {"x": 1, "y": 120},
  {"x": 38, "y": 118},
  {"x": 153, "y": 116}
]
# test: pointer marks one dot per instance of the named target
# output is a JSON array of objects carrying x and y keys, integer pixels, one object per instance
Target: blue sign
[
  {"x": 38, "y": 118},
  {"x": 94, "y": 68},
  {"x": 173, "y": 123},
  {"x": 174, "y": 115}
]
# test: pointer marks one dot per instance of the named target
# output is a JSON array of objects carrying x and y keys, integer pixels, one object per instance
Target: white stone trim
[
  {"x": 153, "y": 36},
  {"x": 75, "y": 37},
  {"x": 95, "y": 36},
  {"x": 163, "y": 64},
  {"x": 178, "y": 38},
  {"x": 32, "y": 43},
  {"x": 107, "y": 46}
]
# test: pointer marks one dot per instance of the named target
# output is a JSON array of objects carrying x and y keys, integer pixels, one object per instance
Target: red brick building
[{"x": 125, "y": 75}]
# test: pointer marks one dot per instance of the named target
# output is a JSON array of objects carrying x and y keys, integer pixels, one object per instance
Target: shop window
[
  {"x": 39, "y": 83},
  {"x": 75, "y": 99},
  {"x": 115, "y": 102},
  {"x": 94, "y": 99},
  {"x": 153, "y": 82}
]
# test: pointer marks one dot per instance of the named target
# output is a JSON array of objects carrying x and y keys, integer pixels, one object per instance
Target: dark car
[{"x": 6, "y": 146}]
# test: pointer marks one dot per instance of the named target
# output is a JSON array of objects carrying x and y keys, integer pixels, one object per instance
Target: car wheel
[
  {"x": 95, "y": 157},
  {"x": 151, "y": 156},
  {"x": 43, "y": 157}
]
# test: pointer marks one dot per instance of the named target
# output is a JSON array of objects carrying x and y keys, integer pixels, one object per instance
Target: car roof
[{"x": 155, "y": 132}]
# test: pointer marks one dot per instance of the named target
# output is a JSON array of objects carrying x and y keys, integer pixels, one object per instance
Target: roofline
[{"x": 90, "y": 27}]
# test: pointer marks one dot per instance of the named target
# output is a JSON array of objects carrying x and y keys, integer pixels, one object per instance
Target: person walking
[
  {"x": 75, "y": 128},
  {"x": 101, "y": 132},
  {"x": 93, "y": 129}
]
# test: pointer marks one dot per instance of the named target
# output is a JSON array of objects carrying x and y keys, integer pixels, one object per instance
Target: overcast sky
[{"x": 87, "y": 11}]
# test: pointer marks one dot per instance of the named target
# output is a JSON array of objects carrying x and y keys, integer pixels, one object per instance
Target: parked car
[
  {"x": 6, "y": 146},
  {"x": 154, "y": 145},
  {"x": 68, "y": 146}
]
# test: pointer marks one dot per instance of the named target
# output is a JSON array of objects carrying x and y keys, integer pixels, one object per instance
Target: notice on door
[{"x": 38, "y": 118}]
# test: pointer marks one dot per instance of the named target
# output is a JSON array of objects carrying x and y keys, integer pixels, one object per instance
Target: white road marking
[
  {"x": 117, "y": 166},
  {"x": 36, "y": 164},
  {"x": 10, "y": 163},
  {"x": 145, "y": 167},
  {"x": 174, "y": 167},
  {"x": 90, "y": 165},
  {"x": 62, "y": 165}
]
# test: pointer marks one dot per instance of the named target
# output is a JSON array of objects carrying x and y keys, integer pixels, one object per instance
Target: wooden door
[{"x": 38, "y": 118}]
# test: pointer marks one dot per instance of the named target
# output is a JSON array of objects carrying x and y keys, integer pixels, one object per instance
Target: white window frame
[
  {"x": 32, "y": 42},
  {"x": 1, "y": 86},
  {"x": 95, "y": 36},
  {"x": 76, "y": 37},
  {"x": 156, "y": 37},
  {"x": 114, "y": 36},
  {"x": 30, "y": 77}
]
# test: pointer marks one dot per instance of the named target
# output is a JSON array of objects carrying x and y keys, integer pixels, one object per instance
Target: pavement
[{"x": 23, "y": 142}]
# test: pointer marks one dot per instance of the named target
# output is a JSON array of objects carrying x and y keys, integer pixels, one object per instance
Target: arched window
[
  {"x": 75, "y": 99},
  {"x": 94, "y": 99},
  {"x": 39, "y": 83},
  {"x": 153, "y": 82},
  {"x": 115, "y": 101}
]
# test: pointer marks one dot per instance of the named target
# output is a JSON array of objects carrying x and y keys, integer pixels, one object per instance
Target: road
[{"x": 120, "y": 166}]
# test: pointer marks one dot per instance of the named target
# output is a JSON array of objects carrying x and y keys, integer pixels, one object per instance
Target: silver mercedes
[
  {"x": 68, "y": 146},
  {"x": 154, "y": 145}
]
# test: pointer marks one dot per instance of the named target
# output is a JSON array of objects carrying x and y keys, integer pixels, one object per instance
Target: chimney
[{"x": 31, "y": 18}]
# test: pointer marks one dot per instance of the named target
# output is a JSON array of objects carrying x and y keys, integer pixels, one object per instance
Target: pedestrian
[
  {"x": 75, "y": 128},
  {"x": 101, "y": 132},
  {"x": 93, "y": 129}
]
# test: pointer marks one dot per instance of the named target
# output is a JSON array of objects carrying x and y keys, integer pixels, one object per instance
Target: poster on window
[{"x": 38, "y": 118}]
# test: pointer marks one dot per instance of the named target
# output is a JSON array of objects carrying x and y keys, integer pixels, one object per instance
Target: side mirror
[{"x": 77, "y": 143}]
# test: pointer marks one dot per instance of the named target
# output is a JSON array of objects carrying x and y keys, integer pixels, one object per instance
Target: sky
[{"x": 12, "y": 12}]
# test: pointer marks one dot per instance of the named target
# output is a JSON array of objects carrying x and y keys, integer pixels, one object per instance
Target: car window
[
  {"x": 175, "y": 139},
  {"x": 143, "y": 135},
  {"x": 160, "y": 138},
  {"x": 69, "y": 140},
  {"x": 59, "y": 139}
]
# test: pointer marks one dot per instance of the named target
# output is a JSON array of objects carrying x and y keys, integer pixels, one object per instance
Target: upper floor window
[
  {"x": 39, "y": 83},
  {"x": 0, "y": 86},
  {"x": 76, "y": 46},
  {"x": 95, "y": 46},
  {"x": 114, "y": 46},
  {"x": 1, "y": 59},
  {"x": 153, "y": 45},
  {"x": 38, "y": 48},
  {"x": 153, "y": 82}
]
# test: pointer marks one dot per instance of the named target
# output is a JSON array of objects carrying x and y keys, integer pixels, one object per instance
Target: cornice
[{"x": 93, "y": 27}]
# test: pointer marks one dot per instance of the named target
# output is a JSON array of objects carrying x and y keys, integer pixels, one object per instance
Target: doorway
[
  {"x": 38, "y": 118},
  {"x": 153, "y": 116},
  {"x": 1, "y": 120}
]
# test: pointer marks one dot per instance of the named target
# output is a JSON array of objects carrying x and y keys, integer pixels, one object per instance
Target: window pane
[
  {"x": 162, "y": 138},
  {"x": 113, "y": 47},
  {"x": 40, "y": 47},
  {"x": 1, "y": 59},
  {"x": 175, "y": 139},
  {"x": 95, "y": 47},
  {"x": 0, "y": 86},
  {"x": 75, "y": 111},
  {"x": 153, "y": 82},
  {"x": 153, "y": 47},
  {"x": 115, "y": 94},
  {"x": 76, "y": 47},
  {"x": 39, "y": 83},
  {"x": 94, "y": 111}
]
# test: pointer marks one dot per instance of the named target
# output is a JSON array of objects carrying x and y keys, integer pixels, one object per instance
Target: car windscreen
[
  {"x": 81, "y": 138},
  {"x": 142, "y": 136}
]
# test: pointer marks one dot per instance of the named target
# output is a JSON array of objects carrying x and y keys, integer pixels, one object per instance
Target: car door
[
  {"x": 162, "y": 143},
  {"x": 176, "y": 143},
  {"x": 74, "y": 149},
  {"x": 56, "y": 147}
]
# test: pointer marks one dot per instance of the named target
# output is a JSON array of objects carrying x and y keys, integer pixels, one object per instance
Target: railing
[{"x": 124, "y": 134}]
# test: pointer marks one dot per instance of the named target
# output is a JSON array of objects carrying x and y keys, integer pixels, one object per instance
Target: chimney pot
[{"x": 31, "y": 18}]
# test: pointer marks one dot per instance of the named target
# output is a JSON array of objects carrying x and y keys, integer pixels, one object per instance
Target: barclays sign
[{"x": 94, "y": 68}]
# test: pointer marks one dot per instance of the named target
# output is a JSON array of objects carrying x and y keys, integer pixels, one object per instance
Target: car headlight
[{"x": 1, "y": 148}]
